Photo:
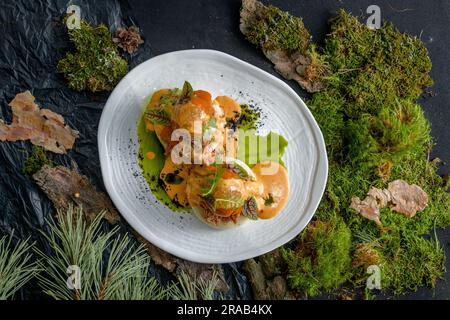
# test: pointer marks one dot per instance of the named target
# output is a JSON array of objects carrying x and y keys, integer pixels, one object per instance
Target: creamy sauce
[
  {"x": 175, "y": 178},
  {"x": 276, "y": 185}
]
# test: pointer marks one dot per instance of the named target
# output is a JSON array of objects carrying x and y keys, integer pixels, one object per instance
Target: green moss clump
[
  {"x": 396, "y": 131},
  {"x": 414, "y": 261},
  {"x": 327, "y": 109},
  {"x": 373, "y": 68},
  {"x": 375, "y": 132},
  {"x": 35, "y": 161},
  {"x": 321, "y": 261},
  {"x": 96, "y": 64},
  {"x": 277, "y": 29}
]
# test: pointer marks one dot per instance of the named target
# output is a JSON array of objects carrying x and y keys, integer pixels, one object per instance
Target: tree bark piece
[
  {"x": 257, "y": 279},
  {"x": 404, "y": 198},
  {"x": 64, "y": 186},
  {"x": 297, "y": 65},
  {"x": 42, "y": 127}
]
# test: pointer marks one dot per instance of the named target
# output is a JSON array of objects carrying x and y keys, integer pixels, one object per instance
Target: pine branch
[
  {"x": 16, "y": 267},
  {"x": 185, "y": 290},
  {"x": 121, "y": 275},
  {"x": 189, "y": 288}
]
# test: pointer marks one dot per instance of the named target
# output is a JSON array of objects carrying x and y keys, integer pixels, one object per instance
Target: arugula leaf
[
  {"x": 168, "y": 99},
  {"x": 233, "y": 167},
  {"x": 158, "y": 116},
  {"x": 212, "y": 182}
]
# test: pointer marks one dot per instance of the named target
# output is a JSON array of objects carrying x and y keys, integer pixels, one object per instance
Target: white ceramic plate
[{"x": 221, "y": 74}]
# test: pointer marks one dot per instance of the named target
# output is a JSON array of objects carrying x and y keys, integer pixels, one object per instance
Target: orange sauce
[
  {"x": 276, "y": 185},
  {"x": 230, "y": 107}
]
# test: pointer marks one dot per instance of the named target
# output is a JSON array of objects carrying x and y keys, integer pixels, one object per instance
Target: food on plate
[{"x": 203, "y": 165}]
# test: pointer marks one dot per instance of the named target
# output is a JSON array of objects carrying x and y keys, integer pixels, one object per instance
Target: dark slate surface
[{"x": 213, "y": 24}]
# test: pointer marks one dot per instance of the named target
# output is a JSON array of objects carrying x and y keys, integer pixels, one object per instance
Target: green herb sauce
[
  {"x": 249, "y": 117},
  {"x": 148, "y": 141}
]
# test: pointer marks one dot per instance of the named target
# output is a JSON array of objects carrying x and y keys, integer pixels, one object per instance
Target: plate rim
[{"x": 318, "y": 186}]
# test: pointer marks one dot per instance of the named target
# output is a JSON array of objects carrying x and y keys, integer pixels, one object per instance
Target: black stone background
[{"x": 32, "y": 40}]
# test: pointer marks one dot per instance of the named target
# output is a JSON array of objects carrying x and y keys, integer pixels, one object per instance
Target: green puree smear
[{"x": 148, "y": 141}]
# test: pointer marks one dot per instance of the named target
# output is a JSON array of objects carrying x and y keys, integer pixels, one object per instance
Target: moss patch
[
  {"x": 276, "y": 29},
  {"x": 96, "y": 64},
  {"x": 321, "y": 260},
  {"x": 375, "y": 132},
  {"x": 35, "y": 161}
]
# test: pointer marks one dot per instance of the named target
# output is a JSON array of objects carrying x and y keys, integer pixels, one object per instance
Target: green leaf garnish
[
  {"x": 234, "y": 201},
  {"x": 239, "y": 171},
  {"x": 268, "y": 200},
  {"x": 212, "y": 123},
  {"x": 250, "y": 209},
  {"x": 168, "y": 99},
  {"x": 158, "y": 116},
  {"x": 186, "y": 93},
  {"x": 248, "y": 118},
  {"x": 211, "y": 182}
]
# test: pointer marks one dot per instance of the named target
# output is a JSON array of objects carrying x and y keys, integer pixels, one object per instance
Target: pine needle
[
  {"x": 190, "y": 288},
  {"x": 110, "y": 267},
  {"x": 185, "y": 290},
  {"x": 16, "y": 267}
]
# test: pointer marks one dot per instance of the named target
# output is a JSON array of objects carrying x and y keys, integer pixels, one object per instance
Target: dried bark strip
[
  {"x": 42, "y": 127},
  {"x": 63, "y": 186},
  {"x": 407, "y": 199},
  {"x": 266, "y": 277},
  {"x": 256, "y": 279}
]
